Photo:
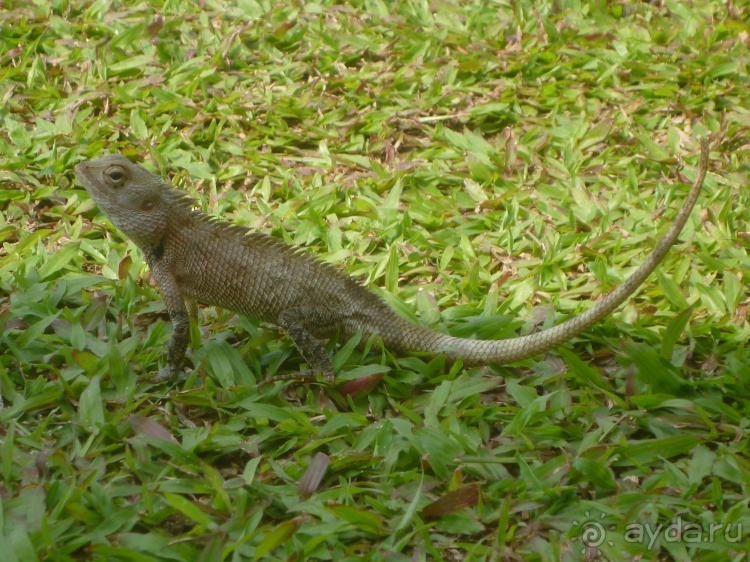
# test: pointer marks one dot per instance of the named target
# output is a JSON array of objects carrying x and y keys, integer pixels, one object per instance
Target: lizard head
[{"x": 134, "y": 199}]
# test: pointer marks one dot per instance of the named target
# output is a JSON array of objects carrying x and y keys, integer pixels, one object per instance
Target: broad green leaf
[
  {"x": 655, "y": 371},
  {"x": 654, "y": 150},
  {"x": 366, "y": 521},
  {"x": 130, "y": 63},
  {"x": 276, "y": 537},
  {"x": 582, "y": 371},
  {"x": 596, "y": 472},
  {"x": 227, "y": 365},
  {"x": 439, "y": 449},
  {"x": 673, "y": 332},
  {"x": 655, "y": 449},
  {"x": 91, "y": 407},
  {"x": 701, "y": 464},
  {"x": 189, "y": 510},
  {"x": 59, "y": 260}
]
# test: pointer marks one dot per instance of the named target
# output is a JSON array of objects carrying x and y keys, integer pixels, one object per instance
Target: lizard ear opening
[{"x": 115, "y": 176}]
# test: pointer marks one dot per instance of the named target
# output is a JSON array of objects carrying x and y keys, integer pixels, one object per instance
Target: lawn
[{"x": 489, "y": 168}]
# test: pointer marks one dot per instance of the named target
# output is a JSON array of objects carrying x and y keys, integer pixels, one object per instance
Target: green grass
[{"x": 490, "y": 167}]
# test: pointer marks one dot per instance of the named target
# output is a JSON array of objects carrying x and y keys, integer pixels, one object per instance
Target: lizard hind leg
[{"x": 298, "y": 324}]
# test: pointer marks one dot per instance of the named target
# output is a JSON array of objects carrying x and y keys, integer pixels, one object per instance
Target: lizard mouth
[
  {"x": 82, "y": 169},
  {"x": 83, "y": 174}
]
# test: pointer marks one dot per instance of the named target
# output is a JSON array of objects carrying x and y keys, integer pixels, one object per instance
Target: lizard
[{"x": 196, "y": 258}]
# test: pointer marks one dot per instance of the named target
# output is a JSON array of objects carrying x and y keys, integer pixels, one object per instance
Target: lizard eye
[{"x": 115, "y": 175}]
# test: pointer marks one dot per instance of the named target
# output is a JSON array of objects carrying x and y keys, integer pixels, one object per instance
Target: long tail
[{"x": 484, "y": 352}]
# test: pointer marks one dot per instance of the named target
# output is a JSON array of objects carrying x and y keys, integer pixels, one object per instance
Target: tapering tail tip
[{"x": 484, "y": 352}]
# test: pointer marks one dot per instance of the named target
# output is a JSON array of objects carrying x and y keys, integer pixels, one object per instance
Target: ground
[{"x": 489, "y": 168}]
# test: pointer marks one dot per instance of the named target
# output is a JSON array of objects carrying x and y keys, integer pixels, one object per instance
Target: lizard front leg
[
  {"x": 178, "y": 313},
  {"x": 298, "y": 323}
]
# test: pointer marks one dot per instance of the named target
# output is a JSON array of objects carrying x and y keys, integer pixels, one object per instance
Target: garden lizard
[{"x": 196, "y": 258}]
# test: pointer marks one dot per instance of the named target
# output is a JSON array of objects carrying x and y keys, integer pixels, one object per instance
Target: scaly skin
[{"x": 194, "y": 257}]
